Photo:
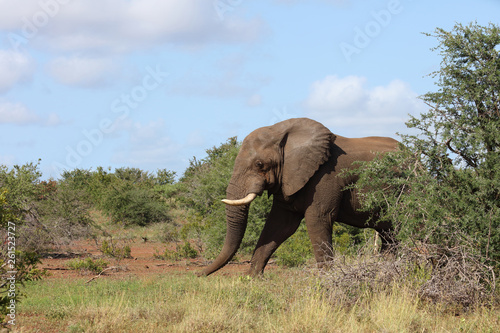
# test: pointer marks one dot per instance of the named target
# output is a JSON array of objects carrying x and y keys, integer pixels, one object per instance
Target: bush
[
  {"x": 49, "y": 214},
  {"x": 129, "y": 196},
  {"x": 130, "y": 205},
  {"x": 63, "y": 214},
  {"x": 187, "y": 251},
  {"x": 184, "y": 251},
  {"x": 295, "y": 251},
  {"x": 88, "y": 265},
  {"x": 113, "y": 250},
  {"x": 168, "y": 233},
  {"x": 24, "y": 265},
  {"x": 456, "y": 281},
  {"x": 442, "y": 188}
]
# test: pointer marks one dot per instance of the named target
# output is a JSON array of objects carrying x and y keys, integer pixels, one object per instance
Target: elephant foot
[{"x": 253, "y": 271}]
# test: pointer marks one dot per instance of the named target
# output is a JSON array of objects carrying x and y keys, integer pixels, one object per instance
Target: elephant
[{"x": 298, "y": 162}]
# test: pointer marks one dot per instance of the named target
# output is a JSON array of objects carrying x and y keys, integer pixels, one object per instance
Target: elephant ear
[{"x": 305, "y": 147}]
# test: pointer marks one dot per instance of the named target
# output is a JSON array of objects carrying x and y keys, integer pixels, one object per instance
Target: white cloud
[
  {"x": 122, "y": 25},
  {"x": 15, "y": 67},
  {"x": 83, "y": 72},
  {"x": 16, "y": 113},
  {"x": 19, "y": 114},
  {"x": 346, "y": 105},
  {"x": 333, "y": 93}
]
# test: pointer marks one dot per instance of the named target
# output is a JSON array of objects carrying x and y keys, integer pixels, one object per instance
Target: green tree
[
  {"x": 16, "y": 267},
  {"x": 130, "y": 204},
  {"x": 22, "y": 185},
  {"x": 164, "y": 177},
  {"x": 443, "y": 187},
  {"x": 134, "y": 175},
  {"x": 50, "y": 213}
]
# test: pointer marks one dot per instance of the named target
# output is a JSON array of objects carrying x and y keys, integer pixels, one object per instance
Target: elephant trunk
[{"x": 236, "y": 220}]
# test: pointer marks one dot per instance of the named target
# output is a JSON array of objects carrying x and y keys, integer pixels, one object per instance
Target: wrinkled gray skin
[{"x": 298, "y": 161}]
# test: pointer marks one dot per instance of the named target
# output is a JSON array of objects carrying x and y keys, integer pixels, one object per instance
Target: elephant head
[{"x": 280, "y": 159}]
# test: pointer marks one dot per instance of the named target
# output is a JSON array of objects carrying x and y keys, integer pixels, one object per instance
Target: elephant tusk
[{"x": 240, "y": 202}]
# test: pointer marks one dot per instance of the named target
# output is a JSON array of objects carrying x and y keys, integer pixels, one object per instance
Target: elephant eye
[{"x": 259, "y": 164}]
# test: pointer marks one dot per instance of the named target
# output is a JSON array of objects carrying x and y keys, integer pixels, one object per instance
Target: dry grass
[
  {"x": 284, "y": 301},
  {"x": 451, "y": 277}
]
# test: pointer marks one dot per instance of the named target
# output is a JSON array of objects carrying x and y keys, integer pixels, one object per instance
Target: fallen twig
[{"x": 99, "y": 275}]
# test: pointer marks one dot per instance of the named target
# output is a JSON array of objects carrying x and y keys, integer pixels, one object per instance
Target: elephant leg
[
  {"x": 280, "y": 225},
  {"x": 319, "y": 229}
]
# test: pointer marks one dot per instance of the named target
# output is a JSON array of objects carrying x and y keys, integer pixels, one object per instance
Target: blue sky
[{"x": 150, "y": 83}]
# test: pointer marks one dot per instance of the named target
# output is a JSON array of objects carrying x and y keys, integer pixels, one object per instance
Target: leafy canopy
[{"x": 443, "y": 186}]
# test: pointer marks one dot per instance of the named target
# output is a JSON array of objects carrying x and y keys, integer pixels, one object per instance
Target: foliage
[
  {"x": 296, "y": 250},
  {"x": 169, "y": 233},
  {"x": 6, "y": 212},
  {"x": 16, "y": 268},
  {"x": 88, "y": 265},
  {"x": 443, "y": 186},
  {"x": 133, "y": 175},
  {"x": 49, "y": 214},
  {"x": 182, "y": 250},
  {"x": 128, "y": 195},
  {"x": 164, "y": 177},
  {"x": 62, "y": 215},
  {"x": 187, "y": 251},
  {"x": 204, "y": 182},
  {"x": 127, "y": 204},
  {"x": 21, "y": 182},
  {"x": 111, "y": 249}
]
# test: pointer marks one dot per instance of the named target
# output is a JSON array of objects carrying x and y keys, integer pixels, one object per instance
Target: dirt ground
[{"x": 142, "y": 263}]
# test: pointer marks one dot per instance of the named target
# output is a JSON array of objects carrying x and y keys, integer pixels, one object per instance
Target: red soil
[{"x": 142, "y": 263}]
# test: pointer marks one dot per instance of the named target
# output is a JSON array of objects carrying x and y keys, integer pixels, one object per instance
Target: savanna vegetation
[{"x": 442, "y": 189}]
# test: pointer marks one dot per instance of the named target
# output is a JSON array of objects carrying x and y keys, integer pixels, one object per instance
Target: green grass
[{"x": 284, "y": 301}]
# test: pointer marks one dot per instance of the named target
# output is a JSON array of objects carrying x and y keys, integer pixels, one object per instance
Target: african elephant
[{"x": 298, "y": 161}]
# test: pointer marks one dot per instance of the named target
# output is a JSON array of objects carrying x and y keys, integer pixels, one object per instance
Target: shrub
[
  {"x": 130, "y": 205},
  {"x": 88, "y": 265},
  {"x": 49, "y": 213},
  {"x": 22, "y": 267},
  {"x": 443, "y": 186},
  {"x": 182, "y": 251},
  {"x": 187, "y": 251},
  {"x": 458, "y": 281},
  {"x": 168, "y": 233},
  {"x": 113, "y": 250},
  {"x": 295, "y": 251}
]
